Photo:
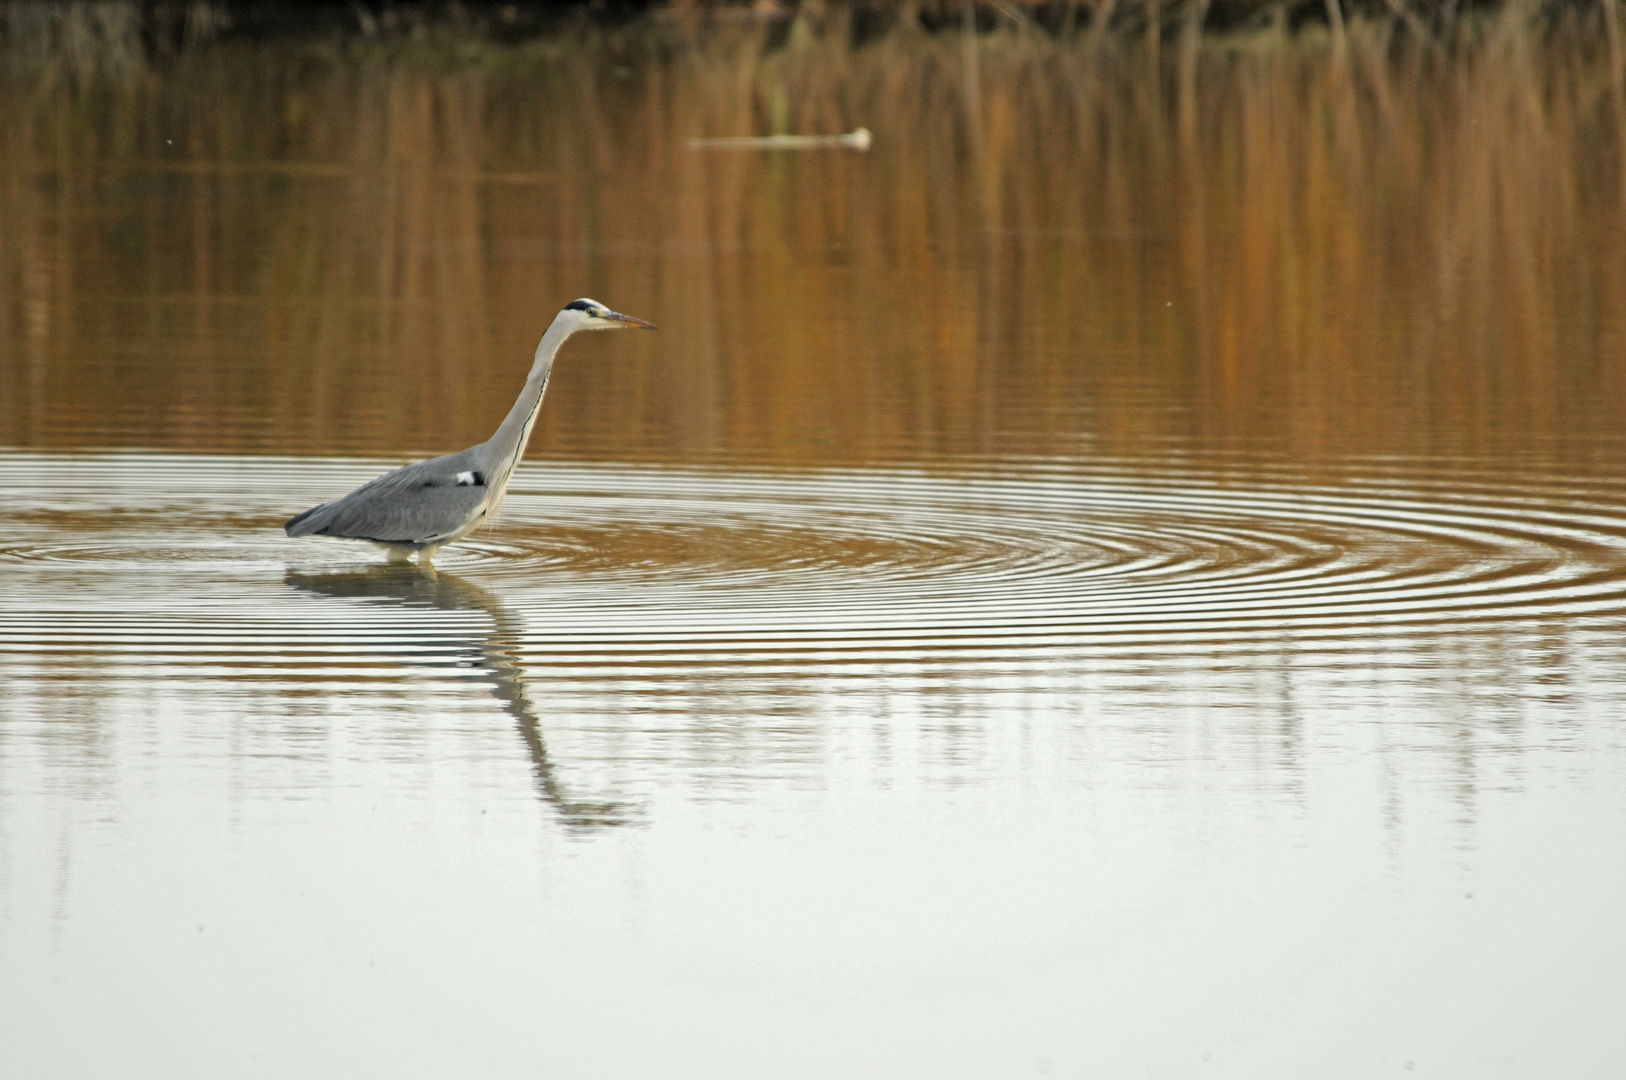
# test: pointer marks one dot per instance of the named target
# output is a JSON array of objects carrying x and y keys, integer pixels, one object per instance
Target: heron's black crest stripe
[{"x": 581, "y": 305}]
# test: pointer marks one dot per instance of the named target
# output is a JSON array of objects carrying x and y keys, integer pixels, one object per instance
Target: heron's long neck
[{"x": 508, "y": 444}]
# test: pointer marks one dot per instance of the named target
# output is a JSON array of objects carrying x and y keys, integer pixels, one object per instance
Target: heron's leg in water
[
  {"x": 399, "y": 554},
  {"x": 426, "y": 554}
]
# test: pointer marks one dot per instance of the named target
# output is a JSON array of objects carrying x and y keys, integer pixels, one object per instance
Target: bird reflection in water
[{"x": 495, "y": 653}]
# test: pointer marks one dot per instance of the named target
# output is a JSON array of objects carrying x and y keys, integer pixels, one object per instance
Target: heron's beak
[{"x": 630, "y": 321}]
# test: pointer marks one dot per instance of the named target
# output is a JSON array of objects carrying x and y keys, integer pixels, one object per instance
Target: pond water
[{"x": 1124, "y": 578}]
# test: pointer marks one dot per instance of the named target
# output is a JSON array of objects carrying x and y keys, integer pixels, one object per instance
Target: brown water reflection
[{"x": 1052, "y": 249}]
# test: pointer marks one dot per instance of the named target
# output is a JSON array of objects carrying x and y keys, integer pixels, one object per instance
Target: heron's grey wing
[{"x": 419, "y": 504}]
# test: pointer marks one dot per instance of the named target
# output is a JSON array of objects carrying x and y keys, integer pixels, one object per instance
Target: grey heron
[{"x": 423, "y": 507}]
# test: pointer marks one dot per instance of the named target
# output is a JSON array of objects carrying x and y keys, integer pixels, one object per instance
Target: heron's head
[{"x": 592, "y": 315}]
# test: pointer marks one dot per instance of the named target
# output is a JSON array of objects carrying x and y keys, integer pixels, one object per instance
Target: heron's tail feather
[{"x": 312, "y": 520}]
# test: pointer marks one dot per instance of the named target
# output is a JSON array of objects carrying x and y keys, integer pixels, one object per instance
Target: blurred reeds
[{"x": 1350, "y": 238}]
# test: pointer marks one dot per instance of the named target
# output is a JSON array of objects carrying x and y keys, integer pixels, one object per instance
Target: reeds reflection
[
  {"x": 1371, "y": 245},
  {"x": 412, "y": 586}
]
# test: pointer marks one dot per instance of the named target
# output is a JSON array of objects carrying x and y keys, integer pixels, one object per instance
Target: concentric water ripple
[{"x": 186, "y": 553}]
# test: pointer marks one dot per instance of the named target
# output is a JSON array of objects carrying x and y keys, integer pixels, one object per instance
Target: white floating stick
[{"x": 856, "y": 140}]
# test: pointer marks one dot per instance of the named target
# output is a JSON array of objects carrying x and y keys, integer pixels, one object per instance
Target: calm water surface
[{"x": 1127, "y": 578}]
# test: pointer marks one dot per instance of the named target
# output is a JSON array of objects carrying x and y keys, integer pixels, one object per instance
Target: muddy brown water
[{"x": 1126, "y": 577}]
